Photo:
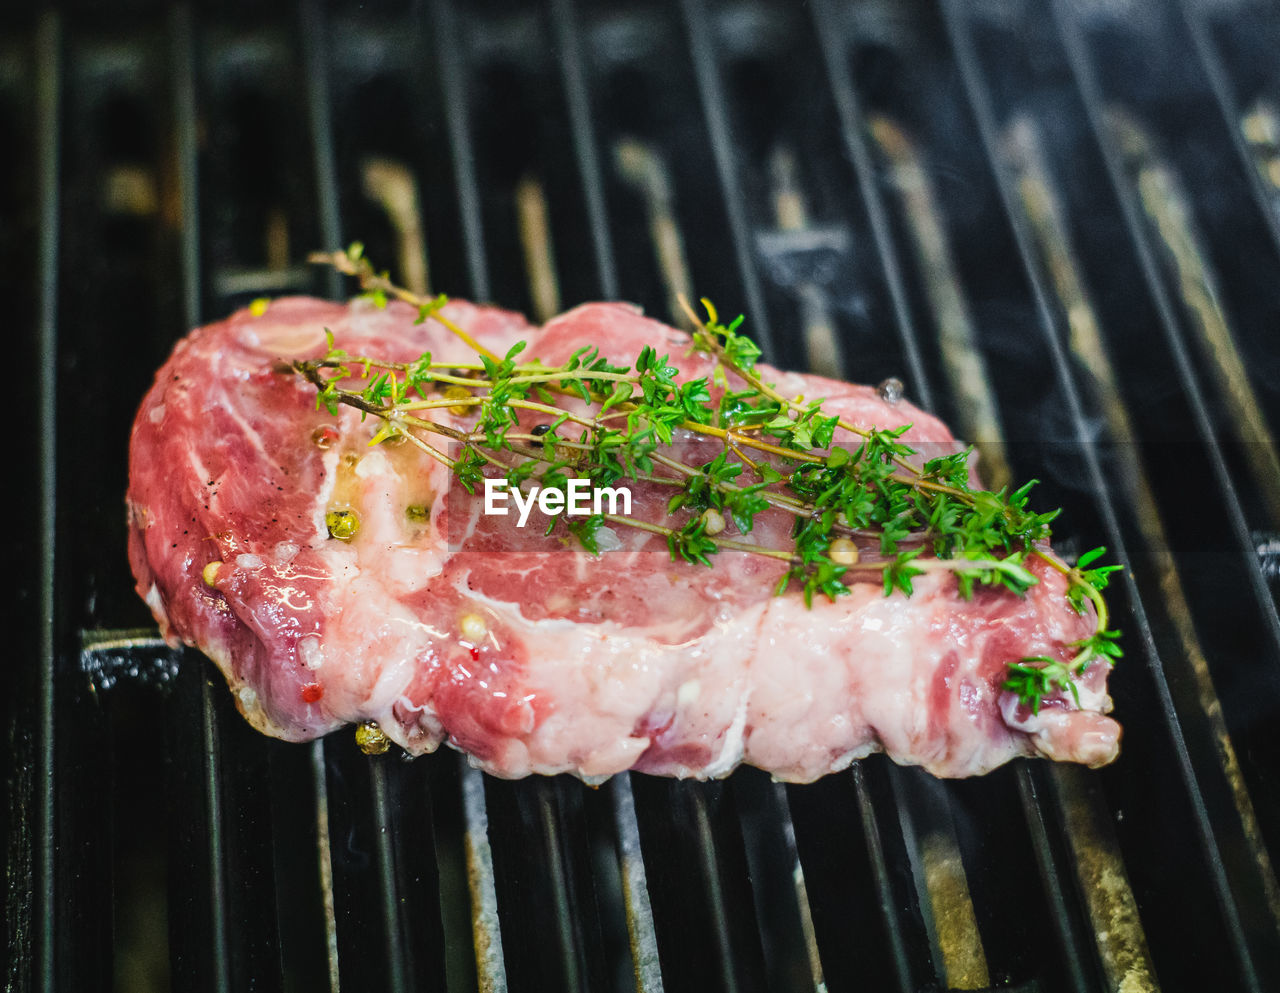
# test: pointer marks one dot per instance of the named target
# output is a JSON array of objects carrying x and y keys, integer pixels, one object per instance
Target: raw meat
[{"x": 532, "y": 656}]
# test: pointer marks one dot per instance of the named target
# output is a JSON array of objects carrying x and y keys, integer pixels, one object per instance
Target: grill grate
[{"x": 1061, "y": 231}]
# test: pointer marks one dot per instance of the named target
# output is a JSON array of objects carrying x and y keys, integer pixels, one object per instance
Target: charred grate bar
[{"x": 897, "y": 189}]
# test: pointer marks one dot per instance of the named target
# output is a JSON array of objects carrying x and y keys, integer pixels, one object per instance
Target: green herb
[{"x": 776, "y": 457}]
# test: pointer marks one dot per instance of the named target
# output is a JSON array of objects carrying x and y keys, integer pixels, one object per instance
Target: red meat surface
[{"x": 529, "y": 653}]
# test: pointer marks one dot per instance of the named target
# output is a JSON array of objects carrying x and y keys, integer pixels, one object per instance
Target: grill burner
[{"x": 1061, "y": 232}]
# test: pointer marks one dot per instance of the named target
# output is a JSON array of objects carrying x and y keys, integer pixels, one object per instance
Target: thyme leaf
[{"x": 604, "y": 422}]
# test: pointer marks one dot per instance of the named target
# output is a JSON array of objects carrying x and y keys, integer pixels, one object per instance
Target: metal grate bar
[
  {"x": 1164, "y": 200},
  {"x": 398, "y": 966},
  {"x": 884, "y": 889},
  {"x": 729, "y": 966},
  {"x": 314, "y": 43},
  {"x": 853, "y": 130},
  {"x": 1195, "y": 17},
  {"x": 320, "y": 116},
  {"x": 982, "y": 416},
  {"x": 1113, "y": 908},
  {"x": 571, "y": 59},
  {"x": 715, "y": 112},
  {"x": 942, "y": 889},
  {"x": 48, "y": 158},
  {"x": 487, "y": 931},
  {"x": 966, "y": 368},
  {"x": 1063, "y": 921},
  {"x": 324, "y": 858},
  {"x": 644, "y": 938},
  {"x": 980, "y": 104},
  {"x": 980, "y": 419},
  {"x": 904, "y": 815},
  {"x": 1026, "y": 158},
  {"x": 639, "y": 911},
  {"x": 1091, "y": 94},
  {"x": 778, "y": 888},
  {"x": 457, "y": 110},
  {"x": 209, "y": 756},
  {"x": 642, "y": 167},
  {"x": 568, "y": 915}
]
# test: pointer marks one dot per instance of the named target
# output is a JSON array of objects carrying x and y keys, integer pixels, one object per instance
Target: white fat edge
[
  {"x": 325, "y": 494},
  {"x": 732, "y": 751},
  {"x": 1092, "y": 699},
  {"x": 407, "y": 566},
  {"x": 375, "y": 463},
  {"x": 157, "y": 414},
  {"x": 688, "y": 693},
  {"x": 283, "y": 340},
  {"x": 392, "y": 683},
  {"x": 424, "y": 712},
  {"x": 406, "y": 637},
  {"x": 311, "y": 651},
  {"x": 837, "y": 764},
  {"x": 668, "y": 639},
  {"x": 155, "y": 601},
  {"x": 198, "y": 468}
]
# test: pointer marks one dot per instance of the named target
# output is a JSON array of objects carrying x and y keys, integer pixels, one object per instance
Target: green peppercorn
[{"x": 342, "y": 524}]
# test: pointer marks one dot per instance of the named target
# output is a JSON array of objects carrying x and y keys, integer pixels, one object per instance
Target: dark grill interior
[{"x": 1086, "y": 197}]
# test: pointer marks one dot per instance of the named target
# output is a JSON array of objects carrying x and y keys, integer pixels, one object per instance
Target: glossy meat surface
[{"x": 526, "y": 652}]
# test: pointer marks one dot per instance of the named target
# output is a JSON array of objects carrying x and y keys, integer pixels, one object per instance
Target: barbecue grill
[{"x": 1057, "y": 224}]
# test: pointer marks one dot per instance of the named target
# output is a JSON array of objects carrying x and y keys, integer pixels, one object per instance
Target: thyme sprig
[{"x": 606, "y": 422}]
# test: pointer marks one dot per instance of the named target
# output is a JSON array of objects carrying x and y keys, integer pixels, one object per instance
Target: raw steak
[{"x": 528, "y": 653}]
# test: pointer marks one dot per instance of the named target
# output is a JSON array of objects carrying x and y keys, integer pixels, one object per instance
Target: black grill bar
[
  {"x": 320, "y": 115},
  {"x": 700, "y": 33},
  {"x": 204, "y": 747},
  {"x": 853, "y": 131},
  {"x": 855, "y": 128},
  {"x": 457, "y": 110},
  {"x": 716, "y": 113},
  {"x": 1091, "y": 95},
  {"x": 644, "y": 941},
  {"x": 542, "y": 809},
  {"x": 779, "y": 960},
  {"x": 593, "y": 186},
  {"x": 397, "y": 960},
  {"x": 1062, "y": 918},
  {"x": 1261, "y": 661},
  {"x": 889, "y": 910},
  {"x": 980, "y": 103},
  {"x": 778, "y": 887},
  {"x": 1065, "y": 921},
  {"x": 1196, "y": 17},
  {"x": 569, "y": 38},
  {"x": 42, "y": 943},
  {"x": 361, "y": 820},
  {"x": 640, "y": 925}
]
